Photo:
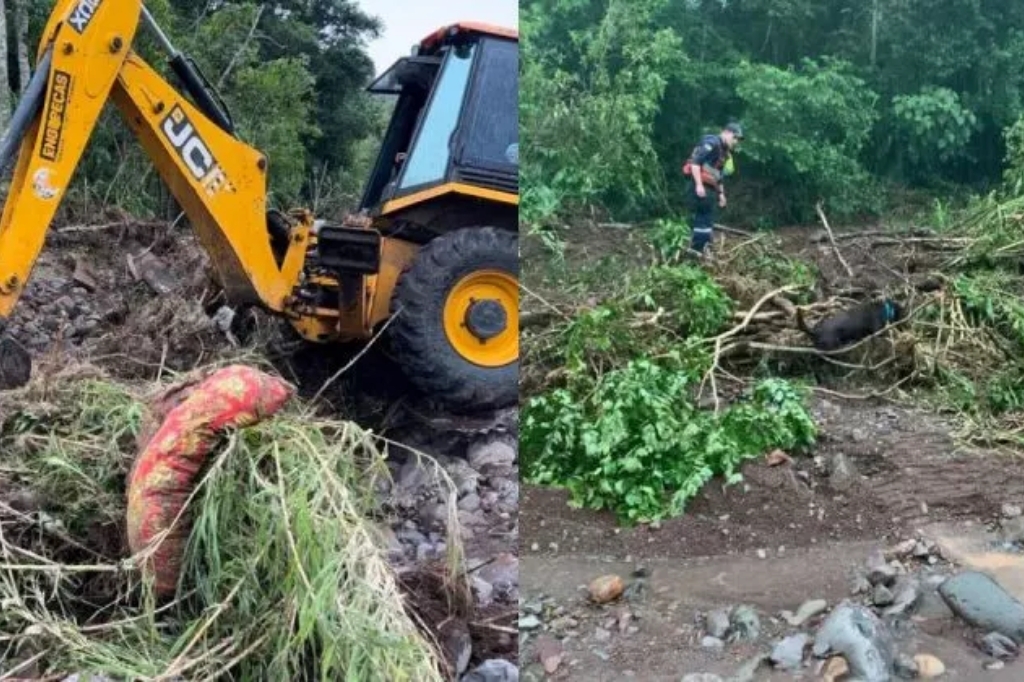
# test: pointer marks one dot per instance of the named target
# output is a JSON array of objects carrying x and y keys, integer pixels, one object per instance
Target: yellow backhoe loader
[{"x": 433, "y": 254}]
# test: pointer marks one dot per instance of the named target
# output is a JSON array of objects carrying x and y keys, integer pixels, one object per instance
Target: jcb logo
[
  {"x": 193, "y": 151},
  {"x": 83, "y": 13}
]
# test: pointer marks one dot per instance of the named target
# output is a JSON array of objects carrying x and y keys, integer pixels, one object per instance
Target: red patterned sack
[{"x": 194, "y": 416}]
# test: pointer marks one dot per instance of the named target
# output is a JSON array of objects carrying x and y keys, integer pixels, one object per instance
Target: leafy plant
[{"x": 637, "y": 444}]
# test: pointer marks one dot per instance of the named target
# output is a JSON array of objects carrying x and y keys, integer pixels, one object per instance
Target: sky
[{"x": 407, "y": 22}]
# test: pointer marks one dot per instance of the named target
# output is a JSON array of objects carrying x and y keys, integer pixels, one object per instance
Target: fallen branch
[
  {"x": 832, "y": 239},
  {"x": 734, "y": 230}
]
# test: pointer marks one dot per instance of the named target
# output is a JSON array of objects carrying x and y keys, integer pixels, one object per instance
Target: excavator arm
[{"x": 85, "y": 61}]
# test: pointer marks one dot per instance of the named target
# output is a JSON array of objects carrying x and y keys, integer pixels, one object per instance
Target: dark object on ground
[
  {"x": 15, "y": 364},
  {"x": 982, "y": 602},
  {"x": 852, "y": 325}
]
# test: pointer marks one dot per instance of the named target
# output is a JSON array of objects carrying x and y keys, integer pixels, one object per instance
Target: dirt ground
[
  {"x": 880, "y": 473},
  {"x": 137, "y": 300}
]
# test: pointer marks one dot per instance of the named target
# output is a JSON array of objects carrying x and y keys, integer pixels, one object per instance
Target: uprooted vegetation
[
  {"x": 648, "y": 376},
  {"x": 284, "y": 577}
]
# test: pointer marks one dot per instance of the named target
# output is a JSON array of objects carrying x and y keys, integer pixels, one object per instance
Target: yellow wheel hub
[{"x": 481, "y": 318}]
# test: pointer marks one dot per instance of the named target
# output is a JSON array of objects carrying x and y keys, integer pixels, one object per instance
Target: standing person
[{"x": 705, "y": 171}]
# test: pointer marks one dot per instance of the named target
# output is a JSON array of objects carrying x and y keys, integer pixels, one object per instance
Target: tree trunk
[
  {"x": 5, "y": 80},
  {"x": 21, "y": 35}
]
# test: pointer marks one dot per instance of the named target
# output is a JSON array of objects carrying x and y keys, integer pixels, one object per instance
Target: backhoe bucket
[{"x": 15, "y": 361}]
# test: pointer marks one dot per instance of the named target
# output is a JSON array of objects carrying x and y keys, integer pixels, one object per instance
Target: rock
[
  {"x": 1012, "y": 511},
  {"x": 882, "y": 596},
  {"x": 502, "y": 573},
  {"x": 929, "y": 666},
  {"x": 857, "y": 634},
  {"x": 921, "y": 550},
  {"x": 841, "y": 472},
  {"x": 931, "y": 606},
  {"x": 470, "y": 503},
  {"x": 879, "y": 571},
  {"x": 809, "y": 609},
  {"x": 549, "y": 653},
  {"x": 606, "y": 588},
  {"x": 744, "y": 624},
  {"x": 999, "y": 646},
  {"x": 498, "y": 453},
  {"x": 789, "y": 653},
  {"x": 835, "y": 669},
  {"x": 602, "y": 635},
  {"x": 901, "y": 550},
  {"x": 459, "y": 646},
  {"x": 483, "y": 590},
  {"x": 702, "y": 677},
  {"x": 709, "y": 642},
  {"x": 906, "y": 594},
  {"x": 464, "y": 477},
  {"x": 995, "y": 665},
  {"x": 529, "y": 622},
  {"x": 983, "y": 603},
  {"x": 905, "y": 667},
  {"x": 716, "y": 623},
  {"x": 494, "y": 670},
  {"x": 1012, "y": 530}
]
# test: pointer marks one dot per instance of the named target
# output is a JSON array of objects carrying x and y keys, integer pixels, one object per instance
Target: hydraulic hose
[{"x": 28, "y": 108}]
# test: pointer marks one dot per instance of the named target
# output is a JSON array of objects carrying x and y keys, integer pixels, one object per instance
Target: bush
[{"x": 637, "y": 444}]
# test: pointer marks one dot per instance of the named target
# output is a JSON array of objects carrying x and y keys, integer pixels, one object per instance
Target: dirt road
[
  {"x": 789, "y": 533},
  {"x": 667, "y": 643}
]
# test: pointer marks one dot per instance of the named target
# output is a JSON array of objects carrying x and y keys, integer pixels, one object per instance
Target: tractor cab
[{"x": 454, "y": 131}]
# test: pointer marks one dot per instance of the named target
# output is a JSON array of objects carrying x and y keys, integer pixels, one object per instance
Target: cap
[{"x": 736, "y": 129}]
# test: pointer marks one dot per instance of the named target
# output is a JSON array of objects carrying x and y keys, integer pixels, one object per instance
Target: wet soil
[
  {"x": 879, "y": 472},
  {"x": 137, "y": 300}
]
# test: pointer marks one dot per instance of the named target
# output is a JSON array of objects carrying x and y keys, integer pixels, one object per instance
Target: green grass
[{"x": 284, "y": 577}]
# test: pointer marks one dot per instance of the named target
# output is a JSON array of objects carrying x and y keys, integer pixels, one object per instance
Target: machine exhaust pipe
[{"x": 26, "y": 111}]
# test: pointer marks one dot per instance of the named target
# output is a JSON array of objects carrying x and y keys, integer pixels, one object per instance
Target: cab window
[{"x": 428, "y": 160}]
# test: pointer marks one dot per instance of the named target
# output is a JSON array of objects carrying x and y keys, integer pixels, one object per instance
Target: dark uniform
[{"x": 710, "y": 155}]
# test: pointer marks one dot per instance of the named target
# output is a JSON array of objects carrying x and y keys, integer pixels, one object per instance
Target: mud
[
  {"x": 138, "y": 301},
  {"x": 787, "y": 534}
]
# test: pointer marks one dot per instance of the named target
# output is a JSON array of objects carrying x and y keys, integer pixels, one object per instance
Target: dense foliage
[
  {"x": 292, "y": 73},
  {"x": 842, "y": 100},
  {"x": 625, "y": 430}
]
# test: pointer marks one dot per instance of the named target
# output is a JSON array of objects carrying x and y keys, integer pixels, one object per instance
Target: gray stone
[
  {"x": 882, "y": 596},
  {"x": 1012, "y": 511},
  {"x": 529, "y": 623},
  {"x": 497, "y": 453},
  {"x": 744, "y": 624},
  {"x": 879, "y": 571},
  {"x": 702, "y": 677},
  {"x": 494, "y": 670},
  {"x": 1013, "y": 530},
  {"x": 983, "y": 603},
  {"x": 483, "y": 590},
  {"x": 716, "y": 623},
  {"x": 788, "y": 654},
  {"x": 841, "y": 472},
  {"x": 460, "y": 648},
  {"x": 709, "y": 642},
  {"x": 809, "y": 609},
  {"x": 999, "y": 646},
  {"x": 470, "y": 503},
  {"x": 857, "y": 634},
  {"x": 906, "y": 594}
]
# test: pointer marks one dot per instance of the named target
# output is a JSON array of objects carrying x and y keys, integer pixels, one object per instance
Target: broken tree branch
[{"x": 832, "y": 239}]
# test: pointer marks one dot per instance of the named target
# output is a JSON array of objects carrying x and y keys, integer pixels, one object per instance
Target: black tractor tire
[{"x": 418, "y": 340}]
